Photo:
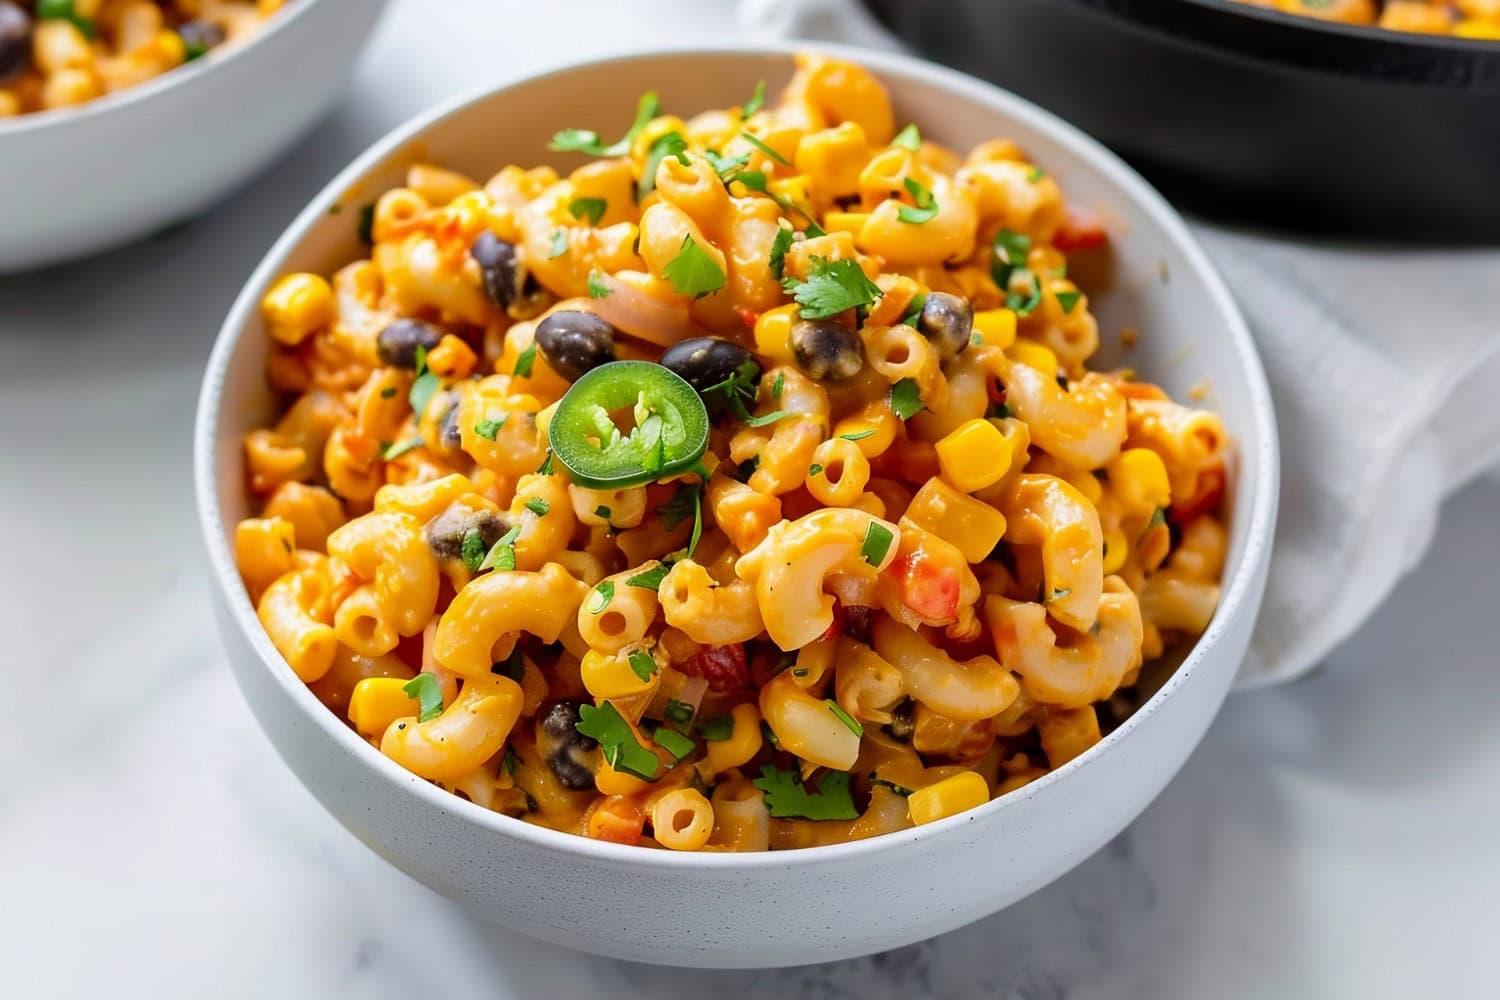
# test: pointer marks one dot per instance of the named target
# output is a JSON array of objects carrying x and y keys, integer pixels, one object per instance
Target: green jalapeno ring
[{"x": 670, "y": 433}]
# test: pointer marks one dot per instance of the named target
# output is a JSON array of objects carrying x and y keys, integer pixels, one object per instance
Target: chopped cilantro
[
  {"x": 815, "y": 469},
  {"x": 673, "y": 742},
  {"x": 577, "y": 140},
  {"x": 603, "y": 511},
  {"x": 1068, "y": 300},
  {"x": 779, "y": 246},
  {"x": 1008, "y": 252},
  {"x": 770, "y": 734},
  {"x": 787, "y": 798},
  {"x": 429, "y": 694},
  {"x": 877, "y": 543},
  {"x": 503, "y": 553},
  {"x": 663, "y": 146},
  {"x": 679, "y": 712},
  {"x": 509, "y": 761},
  {"x": 524, "y": 362},
  {"x": 1035, "y": 174},
  {"x": 760, "y": 145},
  {"x": 1158, "y": 516},
  {"x": 472, "y": 550},
  {"x": 642, "y": 664},
  {"x": 545, "y": 469},
  {"x": 538, "y": 506},
  {"x": 649, "y": 579},
  {"x": 559, "y": 243},
  {"x": 908, "y": 138},
  {"x": 592, "y": 209},
  {"x": 621, "y": 749},
  {"x": 600, "y": 597},
  {"x": 913, "y": 314},
  {"x": 598, "y": 289},
  {"x": 756, "y": 102},
  {"x": 401, "y": 448},
  {"x": 1023, "y": 305},
  {"x": 388, "y": 392},
  {"x": 860, "y": 436},
  {"x": 832, "y": 286},
  {"x": 778, "y": 385},
  {"x": 424, "y": 386},
  {"x": 844, "y": 717},
  {"x": 716, "y": 728},
  {"x": 489, "y": 428},
  {"x": 366, "y": 227},
  {"x": 900, "y": 790},
  {"x": 687, "y": 500},
  {"x": 926, "y": 205},
  {"x": 906, "y": 399},
  {"x": 693, "y": 271}
]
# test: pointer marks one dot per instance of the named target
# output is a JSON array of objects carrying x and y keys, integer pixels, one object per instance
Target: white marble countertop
[{"x": 1334, "y": 838}]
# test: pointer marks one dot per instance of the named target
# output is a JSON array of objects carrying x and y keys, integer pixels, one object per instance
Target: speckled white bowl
[
  {"x": 798, "y": 906},
  {"x": 79, "y": 180}
]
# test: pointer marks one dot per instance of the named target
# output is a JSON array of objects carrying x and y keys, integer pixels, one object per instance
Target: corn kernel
[
  {"x": 773, "y": 334},
  {"x": 1116, "y": 550},
  {"x": 10, "y": 103},
  {"x": 1034, "y": 355},
  {"x": 1138, "y": 479},
  {"x": 297, "y": 306},
  {"x": 170, "y": 48},
  {"x": 794, "y": 189},
  {"x": 610, "y": 676},
  {"x": 452, "y": 358},
  {"x": 948, "y": 797},
  {"x": 376, "y": 702},
  {"x": 1477, "y": 29},
  {"x": 744, "y": 740},
  {"x": 845, "y": 222},
  {"x": 974, "y": 456},
  {"x": 265, "y": 8},
  {"x": 972, "y": 525},
  {"x": 996, "y": 327}
]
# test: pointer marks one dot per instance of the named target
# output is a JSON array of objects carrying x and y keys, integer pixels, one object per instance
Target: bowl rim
[
  {"x": 184, "y": 75},
  {"x": 1240, "y": 593}
]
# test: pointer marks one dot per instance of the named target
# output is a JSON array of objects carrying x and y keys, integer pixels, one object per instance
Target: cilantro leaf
[
  {"x": 524, "y": 362},
  {"x": 425, "y": 385},
  {"x": 877, "y": 543},
  {"x": 1023, "y": 305},
  {"x": 760, "y": 145},
  {"x": 716, "y": 728},
  {"x": 559, "y": 243},
  {"x": 642, "y": 664},
  {"x": 673, "y": 742},
  {"x": 1068, "y": 300},
  {"x": 1035, "y": 174},
  {"x": 538, "y": 506},
  {"x": 778, "y": 385},
  {"x": 401, "y": 448},
  {"x": 756, "y": 102},
  {"x": 545, "y": 469},
  {"x": 693, "y": 271},
  {"x": 913, "y": 314},
  {"x": 860, "y": 436},
  {"x": 603, "y": 511},
  {"x": 488, "y": 429},
  {"x": 815, "y": 469},
  {"x": 906, "y": 399},
  {"x": 848, "y": 720},
  {"x": 832, "y": 286},
  {"x": 787, "y": 798},
  {"x": 927, "y": 208},
  {"x": 663, "y": 146},
  {"x": 577, "y": 140},
  {"x": 503, "y": 553},
  {"x": 598, "y": 288},
  {"x": 472, "y": 550},
  {"x": 779, "y": 246},
  {"x": 429, "y": 694},
  {"x": 678, "y": 711},
  {"x": 367, "y": 224},
  {"x": 621, "y": 749},
  {"x": 592, "y": 209},
  {"x": 687, "y": 500},
  {"x": 1007, "y": 252},
  {"x": 650, "y": 579},
  {"x": 600, "y": 597},
  {"x": 908, "y": 138}
]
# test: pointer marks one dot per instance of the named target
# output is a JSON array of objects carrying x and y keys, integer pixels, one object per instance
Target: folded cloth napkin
[{"x": 1385, "y": 367}]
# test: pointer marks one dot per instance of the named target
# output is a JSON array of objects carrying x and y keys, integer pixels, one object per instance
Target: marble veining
[{"x": 1330, "y": 839}]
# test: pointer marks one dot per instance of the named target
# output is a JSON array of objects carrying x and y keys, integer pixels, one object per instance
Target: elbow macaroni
[{"x": 908, "y": 588}]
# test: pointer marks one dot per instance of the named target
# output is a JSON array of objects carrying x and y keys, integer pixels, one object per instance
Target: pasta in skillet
[
  {"x": 744, "y": 488},
  {"x": 1478, "y": 19}
]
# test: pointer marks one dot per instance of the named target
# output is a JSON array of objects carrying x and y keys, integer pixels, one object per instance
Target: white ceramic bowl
[
  {"x": 80, "y": 180},
  {"x": 791, "y": 907}
]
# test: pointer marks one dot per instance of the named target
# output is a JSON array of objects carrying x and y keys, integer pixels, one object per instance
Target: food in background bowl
[
  {"x": 61, "y": 53},
  {"x": 746, "y": 485},
  {"x": 1463, "y": 18}
]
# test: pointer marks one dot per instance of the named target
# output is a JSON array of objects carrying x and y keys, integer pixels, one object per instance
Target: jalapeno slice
[{"x": 669, "y": 434}]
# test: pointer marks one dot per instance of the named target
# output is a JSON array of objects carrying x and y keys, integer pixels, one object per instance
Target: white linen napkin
[{"x": 1385, "y": 367}]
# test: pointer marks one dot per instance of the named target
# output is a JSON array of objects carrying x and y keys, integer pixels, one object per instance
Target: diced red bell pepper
[
  {"x": 927, "y": 587},
  {"x": 723, "y": 667},
  {"x": 1081, "y": 230}
]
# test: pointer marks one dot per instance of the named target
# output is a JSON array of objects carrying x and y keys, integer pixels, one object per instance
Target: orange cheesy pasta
[
  {"x": 743, "y": 488},
  {"x": 1462, "y": 18}
]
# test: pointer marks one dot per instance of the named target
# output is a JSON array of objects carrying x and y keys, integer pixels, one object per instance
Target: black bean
[
  {"x": 947, "y": 321},
  {"x": 397, "y": 344},
  {"x": 574, "y": 342},
  {"x": 447, "y": 531},
  {"x": 857, "y": 621},
  {"x": 500, "y": 268},
  {"x": 901, "y": 726},
  {"x": 826, "y": 350},
  {"x": 15, "y": 41},
  {"x": 705, "y": 362},
  {"x": 200, "y": 36},
  {"x": 452, "y": 436},
  {"x": 563, "y": 746}
]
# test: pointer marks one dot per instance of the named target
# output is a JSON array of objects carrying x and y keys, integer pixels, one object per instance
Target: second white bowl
[{"x": 79, "y": 180}]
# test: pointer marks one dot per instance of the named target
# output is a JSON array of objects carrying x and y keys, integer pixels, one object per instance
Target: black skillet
[{"x": 1248, "y": 114}]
